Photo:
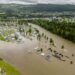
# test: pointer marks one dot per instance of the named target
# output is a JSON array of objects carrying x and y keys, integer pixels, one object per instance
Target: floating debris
[
  {"x": 42, "y": 54},
  {"x": 36, "y": 48}
]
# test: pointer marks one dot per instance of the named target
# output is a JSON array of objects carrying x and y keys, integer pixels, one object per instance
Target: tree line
[{"x": 64, "y": 29}]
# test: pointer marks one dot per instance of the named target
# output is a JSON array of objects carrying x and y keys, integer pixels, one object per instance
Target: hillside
[{"x": 21, "y": 10}]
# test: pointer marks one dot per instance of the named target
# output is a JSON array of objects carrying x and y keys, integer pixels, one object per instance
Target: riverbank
[{"x": 61, "y": 28}]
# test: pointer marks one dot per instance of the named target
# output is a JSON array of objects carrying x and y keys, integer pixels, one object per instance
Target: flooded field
[{"x": 39, "y": 57}]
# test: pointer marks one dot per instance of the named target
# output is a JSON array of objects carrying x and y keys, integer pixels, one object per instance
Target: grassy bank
[{"x": 8, "y": 68}]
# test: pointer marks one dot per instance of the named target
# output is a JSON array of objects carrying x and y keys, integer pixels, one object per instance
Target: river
[{"x": 28, "y": 62}]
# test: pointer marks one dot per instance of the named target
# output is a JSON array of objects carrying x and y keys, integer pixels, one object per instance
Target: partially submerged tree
[
  {"x": 30, "y": 30},
  {"x": 51, "y": 41},
  {"x": 62, "y": 47},
  {"x": 38, "y": 36}
]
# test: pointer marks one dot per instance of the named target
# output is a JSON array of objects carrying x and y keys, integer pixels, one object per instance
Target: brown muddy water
[{"x": 24, "y": 57}]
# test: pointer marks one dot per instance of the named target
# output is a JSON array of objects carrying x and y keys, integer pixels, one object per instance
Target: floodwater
[{"x": 24, "y": 57}]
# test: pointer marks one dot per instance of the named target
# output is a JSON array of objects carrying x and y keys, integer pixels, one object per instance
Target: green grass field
[{"x": 8, "y": 68}]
